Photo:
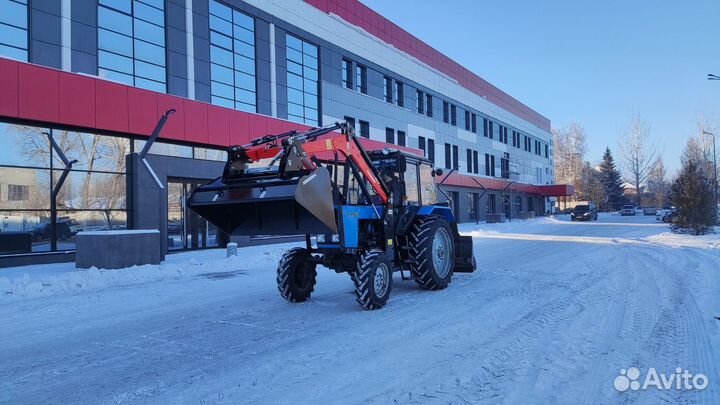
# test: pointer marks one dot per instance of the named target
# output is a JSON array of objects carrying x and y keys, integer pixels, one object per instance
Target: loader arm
[{"x": 307, "y": 145}]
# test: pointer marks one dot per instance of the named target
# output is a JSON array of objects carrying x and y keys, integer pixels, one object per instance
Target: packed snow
[{"x": 554, "y": 313}]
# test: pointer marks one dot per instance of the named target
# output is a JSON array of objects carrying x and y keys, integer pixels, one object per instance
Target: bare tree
[
  {"x": 570, "y": 146},
  {"x": 638, "y": 154},
  {"x": 657, "y": 184}
]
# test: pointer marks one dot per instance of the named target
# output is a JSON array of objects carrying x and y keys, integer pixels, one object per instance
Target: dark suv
[
  {"x": 586, "y": 212},
  {"x": 44, "y": 231}
]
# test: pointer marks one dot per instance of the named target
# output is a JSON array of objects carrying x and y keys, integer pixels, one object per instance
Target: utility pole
[{"x": 715, "y": 182}]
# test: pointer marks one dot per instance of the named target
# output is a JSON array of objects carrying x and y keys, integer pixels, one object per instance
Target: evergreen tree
[
  {"x": 612, "y": 183},
  {"x": 692, "y": 194}
]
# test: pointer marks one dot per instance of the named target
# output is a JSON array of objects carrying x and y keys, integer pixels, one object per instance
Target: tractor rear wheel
[
  {"x": 432, "y": 252},
  {"x": 296, "y": 275},
  {"x": 373, "y": 279}
]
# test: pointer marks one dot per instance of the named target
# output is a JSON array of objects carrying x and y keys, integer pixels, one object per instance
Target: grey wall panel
[
  {"x": 201, "y": 26},
  {"x": 46, "y": 54},
  {"x": 202, "y": 72},
  {"x": 200, "y": 7},
  {"x": 264, "y": 105},
  {"x": 84, "y": 62},
  {"x": 177, "y": 86},
  {"x": 176, "y": 40},
  {"x": 83, "y": 38},
  {"x": 45, "y": 27},
  {"x": 83, "y": 11},
  {"x": 202, "y": 49},
  {"x": 177, "y": 64},
  {"x": 175, "y": 15},
  {"x": 48, "y": 6},
  {"x": 202, "y": 92}
]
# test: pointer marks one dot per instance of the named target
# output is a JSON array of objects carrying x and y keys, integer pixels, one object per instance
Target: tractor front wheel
[
  {"x": 296, "y": 275},
  {"x": 373, "y": 279},
  {"x": 432, "y": 251}
]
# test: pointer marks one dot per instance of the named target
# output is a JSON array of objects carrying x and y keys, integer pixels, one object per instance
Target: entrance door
[{"x": 186, "y": 229}]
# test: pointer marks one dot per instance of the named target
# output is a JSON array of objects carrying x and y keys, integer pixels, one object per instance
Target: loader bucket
[
  {"x": 267, "y": 206},
  {"x": 314, "y": 193},
  {"x": 464, "y": 259}
]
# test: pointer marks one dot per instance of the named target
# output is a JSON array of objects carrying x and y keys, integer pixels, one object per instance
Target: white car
[
  {"x": 627, "y": 210},
  {"x": 659, "y": 214}
]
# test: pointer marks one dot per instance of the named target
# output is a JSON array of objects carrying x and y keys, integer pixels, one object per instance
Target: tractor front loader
[{"x": 371, "y": 213}]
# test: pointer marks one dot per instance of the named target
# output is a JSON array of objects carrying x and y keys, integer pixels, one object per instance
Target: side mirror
[{"x": 437, "y": 172}]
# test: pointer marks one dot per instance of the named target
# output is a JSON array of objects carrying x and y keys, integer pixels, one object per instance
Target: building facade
[{"x": 92, "y": 77}]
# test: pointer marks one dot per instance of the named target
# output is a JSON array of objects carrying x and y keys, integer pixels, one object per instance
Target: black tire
[
  {"x": 422, "y": 238},
  {"x": 296, "y": 275},
  {"x": 373, "y": 279}
]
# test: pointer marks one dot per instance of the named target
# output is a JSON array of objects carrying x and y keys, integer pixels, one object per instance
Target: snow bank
[
  {"x": 24, "y": 283},
  {"x": 709, "y": 241}
]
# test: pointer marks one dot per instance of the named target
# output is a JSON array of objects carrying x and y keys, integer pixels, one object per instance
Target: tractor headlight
[
  {"x": 335, "y": 238},
  {"x": 320, "y": 238}
]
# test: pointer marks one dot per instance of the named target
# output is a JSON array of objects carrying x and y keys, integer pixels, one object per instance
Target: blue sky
[{"x": 594, "y": 62}]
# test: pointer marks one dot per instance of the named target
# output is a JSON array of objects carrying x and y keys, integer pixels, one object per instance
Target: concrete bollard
[{"x": 231, "y": 249}]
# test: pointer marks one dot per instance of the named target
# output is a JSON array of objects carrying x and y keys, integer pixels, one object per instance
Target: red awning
[{"x": 461, "y": 180}]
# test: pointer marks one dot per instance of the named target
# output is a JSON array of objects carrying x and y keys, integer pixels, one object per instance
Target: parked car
[
  {"x": 649, "y": 210},
  {"x": 44, "y": 231},
  {"x": 627, "y": 210},
  {"x": 587, "y": 212},
  {"x": 74, "y": 225},
  {"x": 659, "y": 214},
  {"x": 670, "y": 217}
]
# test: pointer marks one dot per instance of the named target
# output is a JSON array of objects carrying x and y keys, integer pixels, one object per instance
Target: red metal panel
[
  {"x": 175, "y": 126},
  {"x": 196, "y": 121},
  {"x": 10, "y": 85},
  {"x": 257, "y": 126},
  {"x": 239, "y": 128},
  {"x": 275, "y": 126},
  {"x": 39, "y": 93},
  {"x": 143, "y": 111},
  {"x": 77, "y": 100},
  {"x": 218, "y": 126},
  {"x": 111, "y": 106}
]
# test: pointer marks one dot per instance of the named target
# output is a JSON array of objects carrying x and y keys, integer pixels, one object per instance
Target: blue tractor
[{"x": 368, "y": 214}]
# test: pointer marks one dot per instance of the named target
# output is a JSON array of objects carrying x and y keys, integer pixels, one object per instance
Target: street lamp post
[{"x": 715, "y": 185}]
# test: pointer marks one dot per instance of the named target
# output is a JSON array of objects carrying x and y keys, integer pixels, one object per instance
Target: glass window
[
  {"x": 428, "y": 192},
  {"x": 401, "y": 138},
  {"x": 347, "y": 74},
  {"x": 210, "y": 154},
  {"x": 364, "y": 129},
  {"x": 131, "y": 42},
  {"x": 95, "y": 188},
  {"x": 302, "y": 81},
  {"x": 232, "y": 58},
  {"x": 24, "y": 188},
  {"x": 399, "y": 94},
  {"x": 121, "y": 5},
  {"x": 166, "y": 149},
  {"x": 361, "y": 79},
  {"x": 388, "y": 89},
  {"x": 411, "y": 183}
]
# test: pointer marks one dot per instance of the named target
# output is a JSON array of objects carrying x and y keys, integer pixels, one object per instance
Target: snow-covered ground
[{"x": 554, "y": 312}]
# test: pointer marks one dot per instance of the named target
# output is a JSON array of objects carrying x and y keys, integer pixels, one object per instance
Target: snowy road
[{"x": 552, "y": 315}]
